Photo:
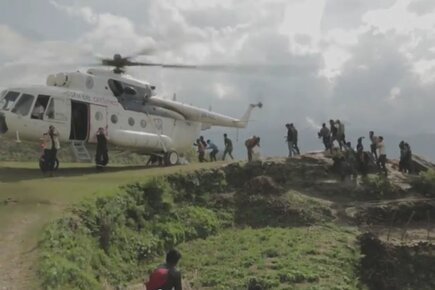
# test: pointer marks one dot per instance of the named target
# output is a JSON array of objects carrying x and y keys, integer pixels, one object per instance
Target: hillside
[{"x": 275, "y": 225}]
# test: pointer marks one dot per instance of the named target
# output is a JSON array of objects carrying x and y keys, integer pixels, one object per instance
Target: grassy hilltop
[{"x": 275, "y": 224}]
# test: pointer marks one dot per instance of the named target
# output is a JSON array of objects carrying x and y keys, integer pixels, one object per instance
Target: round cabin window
[
  {"x": 98, "y": 116},
  {"x": 143, "y": 123},
  {"x": 131, "y": 121},
  {"x": 114, "y": 119}
]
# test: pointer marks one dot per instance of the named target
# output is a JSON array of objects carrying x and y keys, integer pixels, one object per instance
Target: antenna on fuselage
[{"x": 174, "y": 97}]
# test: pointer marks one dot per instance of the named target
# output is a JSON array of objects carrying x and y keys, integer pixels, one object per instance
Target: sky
[{"x": 369, "y": 63}]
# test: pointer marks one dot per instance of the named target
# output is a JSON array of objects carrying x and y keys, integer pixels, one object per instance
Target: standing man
[
  {"x": 101, "y": 156},
  {"x": 201, "y": 150},
  {"x": 289, "y": 140},
  {"x": 325, "y": 134},
  {"x": 382, "y": 160},
  {"x": 295, "y": 139},
  {"x": 250, "y": 145},
  {"x": 228, "y": 147},
  {"x": 362, "y": 158},
  {"x": 51, "y": 148},
  {"x": 405, "y": 163},
  {"x": 166, "y": 276},
  {"x": 334, "y": 132},
  {"x": 408, "y": 158},
  {"x": 201, "y": 138},
  {"x": 375, "y": 140},
  {"x": 341, "y": 136},
  {"x": 214, "y": 150}
]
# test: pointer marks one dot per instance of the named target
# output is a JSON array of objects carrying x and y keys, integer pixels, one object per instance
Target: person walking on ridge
[
  {"x": 325, "y": 134},
  {"x": 214, "y": 150},
  {"x": 250, "y": 144},
  {"x": 228, "y": 147}
]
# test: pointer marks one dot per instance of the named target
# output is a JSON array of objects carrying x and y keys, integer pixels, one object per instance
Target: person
[
  {"x": 359, "y": 145},
  {"x": 155, "y": 159},
  {"x": 101, "y": 156},
  {"x": 374, "y": 145},
  {"x": 290, "y": 140},
  {"x": 51, "y": 146},
  {"x": 166, "y": 276},
  {"x": 228, "y": 147},
  {"x": 334, "y": 131},
  {"x": 325, "y": 134},
  {"x": 405, "y": 163},
  {"x": 38, "y": 111},
  {"x": 402, "y": 156},
  {"x": 250, "y": 144},
  {"x": 341, "y": 136},
  {"x": 201, "y": 138},
  {"x": 46, "y": 145},
  {"x": 408, "y": 158},
  {"x": 201, "y": 150},
  {"x": 382, "y": 159},
  {"x": 214, "y": 150},
  {"x": 295, "y": 139},
  {"x": 350, "y": 160}
]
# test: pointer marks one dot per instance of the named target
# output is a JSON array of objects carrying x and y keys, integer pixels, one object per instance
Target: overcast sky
[{"x": 368, "y": 62}]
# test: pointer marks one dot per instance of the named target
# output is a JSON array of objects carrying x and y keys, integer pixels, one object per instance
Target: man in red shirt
[{"x": 166, "y": 276}]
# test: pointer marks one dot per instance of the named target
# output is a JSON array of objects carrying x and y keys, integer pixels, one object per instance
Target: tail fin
[{"x": 243, "y": 122}]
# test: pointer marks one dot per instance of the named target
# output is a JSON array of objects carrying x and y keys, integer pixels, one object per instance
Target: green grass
[
  {"x": 319, "y": 257},
  {"x": 28, "y": 200}
]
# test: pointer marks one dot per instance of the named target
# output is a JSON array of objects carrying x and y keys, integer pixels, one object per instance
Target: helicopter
[{"x": 131, "y": 112}]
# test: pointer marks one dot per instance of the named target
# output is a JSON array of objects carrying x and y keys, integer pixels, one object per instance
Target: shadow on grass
[{"x": 14, "y": 174}]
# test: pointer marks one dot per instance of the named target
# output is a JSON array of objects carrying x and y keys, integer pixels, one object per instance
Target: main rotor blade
[
  {"x": 235, "y": 68},
  {"x": 145, "y": 51}
]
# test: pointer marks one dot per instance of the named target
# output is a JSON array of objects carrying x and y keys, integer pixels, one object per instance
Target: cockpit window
[
  {"x": 8, "y": 101},
  {"x": 23, "y": 105},
  {"x": 131, "y": 97}
]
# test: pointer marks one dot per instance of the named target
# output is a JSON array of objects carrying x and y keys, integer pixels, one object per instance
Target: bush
[
  {"x": 110, "y": 239},
  {"x": 378, "y": 186},
  {"x": 425, "y": 183}
]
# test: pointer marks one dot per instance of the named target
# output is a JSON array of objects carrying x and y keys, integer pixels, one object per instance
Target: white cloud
[
  {"x": 394, "y": 93},
  {"x": 353, "y": 60}
]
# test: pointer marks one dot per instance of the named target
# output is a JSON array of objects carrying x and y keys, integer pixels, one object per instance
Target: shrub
[
  {"x": 425, "y": 182},
  {"x": 110, "y": 238}
]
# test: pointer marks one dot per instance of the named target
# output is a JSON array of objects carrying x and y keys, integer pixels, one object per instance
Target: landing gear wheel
[{"x": 171, "y": 158}]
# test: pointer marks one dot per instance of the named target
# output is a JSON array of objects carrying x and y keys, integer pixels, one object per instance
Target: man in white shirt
[
  {"x": 374, "y": 145},
  {"x": 382, "y": 155}
]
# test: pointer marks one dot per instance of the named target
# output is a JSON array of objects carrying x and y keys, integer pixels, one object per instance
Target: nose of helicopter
[{"x": 3, "y": 125}]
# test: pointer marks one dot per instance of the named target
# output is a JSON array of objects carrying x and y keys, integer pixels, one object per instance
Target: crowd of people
[
  {"x": 333, "y": 139},
  {"x": 202, "y": 146}
]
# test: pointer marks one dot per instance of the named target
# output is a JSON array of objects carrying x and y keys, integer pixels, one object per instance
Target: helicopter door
[
  {"x": 79, "y": 121},
  {"x": 98, "y": 119}
]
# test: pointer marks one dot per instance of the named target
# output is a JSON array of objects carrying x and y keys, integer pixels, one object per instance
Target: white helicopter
[{"x": 134, "y": 117}]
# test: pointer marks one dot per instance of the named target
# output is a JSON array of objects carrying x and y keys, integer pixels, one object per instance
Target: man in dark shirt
[
  {"x": 325, "y": 134},
  {"x": 169, "y": 270},
  {"x": 295, "y": 139},
  {"x": 228, "y": 147},
  {"x": 101, "y": 156}
]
